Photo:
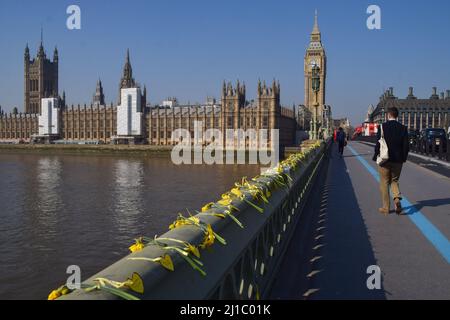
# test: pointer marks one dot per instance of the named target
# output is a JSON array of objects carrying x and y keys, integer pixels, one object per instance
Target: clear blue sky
[{"x": 186, "y": 48}]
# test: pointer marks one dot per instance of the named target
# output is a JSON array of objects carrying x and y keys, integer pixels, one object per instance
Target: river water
[{"x": 62, "y": 210}]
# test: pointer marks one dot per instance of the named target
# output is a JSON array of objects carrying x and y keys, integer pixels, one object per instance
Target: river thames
[{"x": 62, "y": 210}]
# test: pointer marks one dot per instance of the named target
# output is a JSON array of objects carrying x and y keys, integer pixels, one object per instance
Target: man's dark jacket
[
  {"x": 396, "y": 136},
  {"x": 340, "y": 137}
]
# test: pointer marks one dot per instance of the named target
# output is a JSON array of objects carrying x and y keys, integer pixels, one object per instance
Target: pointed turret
[
  {"x": 41, "y": 52},
  {"x": 99, "y": 97},
  {"x": 62, "y": 100},
  {"x": 27, "y": 53},
  {"x": 127, "y": 69},
  {"x": 55, "y": 55},
  {"x": 127, "y": 80},
  {"x": 274, "y": 86},
  {"x": 144, "y": 97}
]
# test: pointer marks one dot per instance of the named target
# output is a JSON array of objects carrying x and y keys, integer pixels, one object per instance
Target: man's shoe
[
  {"x": 383, "y": 211},
  {"x": 398, "y": 207}
]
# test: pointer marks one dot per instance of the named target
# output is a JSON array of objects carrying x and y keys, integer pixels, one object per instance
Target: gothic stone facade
[
  {"x": 98, "y": 122},
  {"x": 40, "y": 79},
  {"x": 16, "y": 127},
  {"x": 95, "y": 123},
  {"x": 233, "y": 113}
]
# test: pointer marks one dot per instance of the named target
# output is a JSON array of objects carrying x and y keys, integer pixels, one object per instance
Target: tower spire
[
  {"x": 127, "y": 80},
  {"x": 41, "y": 52},
  {"x": 127, "y": 69},
  {"x": 316, "y": 23}
]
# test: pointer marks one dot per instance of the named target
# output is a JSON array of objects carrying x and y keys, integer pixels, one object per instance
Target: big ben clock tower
[{"x": 315, "y": 55}]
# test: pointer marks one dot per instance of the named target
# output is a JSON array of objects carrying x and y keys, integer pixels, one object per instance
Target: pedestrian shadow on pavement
[
  {"x": 433, "y": 203},
  {"x": 348, "y": 251}
]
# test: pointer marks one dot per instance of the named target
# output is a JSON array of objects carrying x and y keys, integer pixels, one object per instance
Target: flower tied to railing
[
  {"x": 61, "y": 291},
  {"x": 138, "y": 245},
  {"x": 134, "y": 283},
  {"x": 255, "y": 191},
  {"x": 293, "y": 161},
  {"x": 187, "y": 251},
  {"x": 278, "y": 179},
  {"x": 224, "y": 209},
  {"x": 210, "y": 235}
]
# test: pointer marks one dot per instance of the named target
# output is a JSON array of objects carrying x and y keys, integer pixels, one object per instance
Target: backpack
[{"x": 384, "y": 151}]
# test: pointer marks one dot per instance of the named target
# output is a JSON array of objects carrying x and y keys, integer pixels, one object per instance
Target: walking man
[
  {"x": 396, "y": 137},
  {"x": 341, "y": 140}
]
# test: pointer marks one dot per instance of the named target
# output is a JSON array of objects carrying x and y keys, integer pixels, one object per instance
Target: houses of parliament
[{"x": 133, "y": 120}]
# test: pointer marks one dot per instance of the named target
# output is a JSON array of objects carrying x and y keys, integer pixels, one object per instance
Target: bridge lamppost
[{"x": 316, "y": 88}]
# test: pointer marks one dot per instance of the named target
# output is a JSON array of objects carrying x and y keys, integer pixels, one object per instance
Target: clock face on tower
[{"x": 313, "y": 63}]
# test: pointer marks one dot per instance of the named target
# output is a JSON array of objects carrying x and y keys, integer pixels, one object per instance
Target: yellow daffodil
[
  {"x": 61, "y": 291},
  {"x": 137, "y": 246},
  {"x": 177, "y": 223},
  {"x": 194, "y": 250},
  {"x": 207, "y": 206},
  {"x": 237, "y": 192},
  {"x": 166, "y": 262},
  {"x": 195, "y": 220},
  {"x": 55, "y": 294},
  {"x": 208, "y": 240},
  {"x": 136, "y": 283},
  {"x": 225, "y": 201}
]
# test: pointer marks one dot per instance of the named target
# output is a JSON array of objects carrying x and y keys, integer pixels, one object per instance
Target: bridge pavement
[{"x": 341, "y": 233}]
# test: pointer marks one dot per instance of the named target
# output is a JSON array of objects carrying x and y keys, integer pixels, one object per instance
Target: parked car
[{"x": 435, "y": 136}]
